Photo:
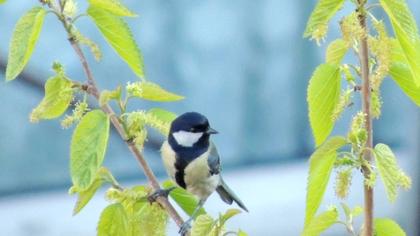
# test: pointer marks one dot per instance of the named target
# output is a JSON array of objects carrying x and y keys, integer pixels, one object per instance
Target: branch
[
  {"x": 136, "y": 152},
  {"x": 366, "y": 98},
  {"x": 94, "y": 91}
]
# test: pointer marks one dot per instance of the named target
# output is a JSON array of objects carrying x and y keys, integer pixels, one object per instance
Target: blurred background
[{"x": 244, "y": 64}]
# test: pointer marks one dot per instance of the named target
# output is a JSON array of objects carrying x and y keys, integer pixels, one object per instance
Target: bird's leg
[
  {"x": 160, "y": 193},
  {"x": 185, "y": 227}
]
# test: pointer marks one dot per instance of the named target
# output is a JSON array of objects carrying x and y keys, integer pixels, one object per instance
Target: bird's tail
[{"x": 228, "y": 195}]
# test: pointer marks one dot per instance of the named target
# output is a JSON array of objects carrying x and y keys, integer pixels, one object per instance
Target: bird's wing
[{"x": 214, "y": 160}]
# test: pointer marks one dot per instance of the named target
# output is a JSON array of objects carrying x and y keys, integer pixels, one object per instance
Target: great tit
[{"x": 192, "y": 161}]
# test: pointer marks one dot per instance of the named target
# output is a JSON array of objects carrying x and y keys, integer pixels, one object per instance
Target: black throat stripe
[
  {"x": 183, "y": 159},
  {"x": 185, "y": 155},
  {"x": 180, "y": 173}
]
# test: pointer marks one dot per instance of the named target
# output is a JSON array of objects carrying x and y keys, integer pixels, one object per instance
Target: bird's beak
[{"x": 211, "y": 131}]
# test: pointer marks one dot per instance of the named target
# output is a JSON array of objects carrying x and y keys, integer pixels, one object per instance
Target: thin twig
[
  {"x": 94, "y": 91},
  {"x": 366, "y": 99}
]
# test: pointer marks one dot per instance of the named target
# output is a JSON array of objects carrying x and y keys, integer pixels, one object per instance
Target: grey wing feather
[
  {"x": 228, "y": 195},
  {"x": 214, "y": 160},
  {"x": 223, "y": 190}
]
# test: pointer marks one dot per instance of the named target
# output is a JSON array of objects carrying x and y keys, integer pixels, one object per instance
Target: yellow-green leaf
[
  {"x": 113, "y": 6},
  {"x": 323, "y": 96},
  {"x": 113, "y": 221},
  {"x": 152, "y": 92},
  {"x": 336, "y": 51},
  {"x": 160, "y": 119},
  {"x": 2, "y": 1},
  {"x": 107, "y": 95},
  {"x": 94, "y": 48},
  {"x": 399, "y": 12},
  {"x": 152, "y": 219},
  {"x": 118, "y": 35},
  {"x": 406, "y": 31},
  {"x": 242, "y": 233},
  {"x": 163, "y": 115},
  {"x": 412, "y": 54},
  {"x": 356, "y": 211},
  {"x": 84, "y": 196},
  {"x": 228, "y": 214},
  {"x": 321, "y": 164},
  {"x": 392, "y": 176},
  {"x": 321, "y": 222},
  {"x": 397, "y": 54},
  {"x": 387, "y": 227},
  {"x": 400, "y": 73},
  {"x": 88, "y": 146},
  {"x": 58, "y": 95},
  {"x": 321, "y": 15},
  {"x": 184, "y": 199},
  {"x": 144, "y": 219},
  {"x": 22, "y": 44},
  {"x": 203, "y": 225}
]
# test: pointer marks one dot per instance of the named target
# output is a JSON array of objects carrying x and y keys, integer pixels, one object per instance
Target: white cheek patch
[{"x": 186, "y": 139}]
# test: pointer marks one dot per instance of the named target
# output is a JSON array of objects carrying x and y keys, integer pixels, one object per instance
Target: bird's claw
[
  {"x": 159, "y": 193},
  {"x": 185, "y": 227}
]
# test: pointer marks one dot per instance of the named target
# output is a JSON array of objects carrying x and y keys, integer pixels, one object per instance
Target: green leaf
[
  {"x": 152, "y": 92},
  {"x": 399, "y": 12},
  {"x": 103, "y": 175},
  {"x": 203, "y": 226},
  {"x": 351, "y": 213},
  {"x": 357, "y": 210},
  {"x": 242, "y": 233},
  {"x": 94, "y": 48},
  {"x": 160, "y": 119},
  {"x": 412, "y": 53},
  {"x": 144, "y": 218},
  {"x": 346, "y": 209},
  {"x": 152, "y": 219},
  {"x": 107, "y": 95},
  {"x": 321, "y": 222},
  {"x": 86, "y": 195},
  {"x": 88, "y": 146},
  {"x": 22, "y": 44},
  {"x": 392, "y": 176},
  {"x": 184, "y": 199},
  {"x": 228, "y": 214},
  {"x": 2, "y": 1},
  {"x": 113, "y": 221},
  {"x": 406, "y": 31},
  {"x": 128, "y": 196},
  {"x": 323, "y": 96},
  {"x": 400, "y": 73},
  {"x": 321, "y": 164},
  {"x": 336, "y": 51},
  {"x": 58, "y": 95},
  {"x": 387, "y": 227},
  {"x": 114, "y": 7},
  {"x": 397, "y": 54},
  {"x": 118, "y": 35},
  {"x": 163, "y": 115},
  {"x": 321, "y": 15}
]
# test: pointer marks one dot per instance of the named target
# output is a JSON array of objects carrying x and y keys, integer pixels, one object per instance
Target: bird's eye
[{"x": 192, "y": 129}]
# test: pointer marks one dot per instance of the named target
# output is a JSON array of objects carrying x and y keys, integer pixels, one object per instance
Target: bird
[{"x": 193, "y": 163}]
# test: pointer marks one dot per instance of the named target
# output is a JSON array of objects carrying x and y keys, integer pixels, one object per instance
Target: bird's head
[{"x": 191, "y": 129}]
